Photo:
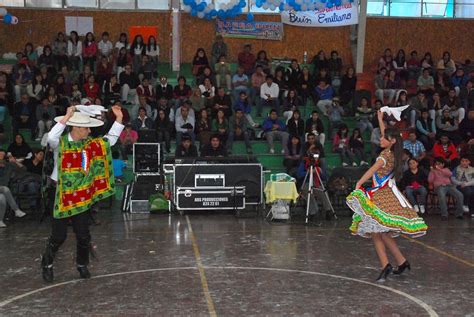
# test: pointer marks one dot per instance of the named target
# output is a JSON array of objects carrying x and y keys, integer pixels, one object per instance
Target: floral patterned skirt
[{"x": 383, "y": 213}]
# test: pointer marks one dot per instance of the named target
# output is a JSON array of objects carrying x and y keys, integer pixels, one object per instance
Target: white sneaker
[
  {"x": 363, "y": 163},
  {"x": 272, "y": 151},
  {"x": 2, "y": 224},
  {"x": 282, "y": 151},
  {"x": 345, "y": 164},
  {"x": 19, "y": 213},
  {"x": 38, "y": 139},
  {"x": 422, "y": 209},
  {"x": 465, "y": 208},
  {"x": 417, "y": 209},
  {"x": 354, "y": 164}
]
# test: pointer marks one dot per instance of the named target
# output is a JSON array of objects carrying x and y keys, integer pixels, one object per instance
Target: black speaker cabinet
[
  {"x": 146, "y": 158},
  {"x": 143, "y": 187}
]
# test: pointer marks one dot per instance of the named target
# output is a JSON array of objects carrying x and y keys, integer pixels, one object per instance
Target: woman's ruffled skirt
[{"x": 369, "y": 218}]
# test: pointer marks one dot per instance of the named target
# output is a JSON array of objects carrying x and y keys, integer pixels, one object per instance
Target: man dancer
[{"x": 83, "y": 175}]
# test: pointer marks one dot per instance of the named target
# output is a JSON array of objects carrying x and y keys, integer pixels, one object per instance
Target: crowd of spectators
[{"x": 205, "y": 115}]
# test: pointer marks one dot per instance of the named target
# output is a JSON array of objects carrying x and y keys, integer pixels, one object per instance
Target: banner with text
[
  {"x": 250, "y": 30},
  {"x": 346, "y": 14}
]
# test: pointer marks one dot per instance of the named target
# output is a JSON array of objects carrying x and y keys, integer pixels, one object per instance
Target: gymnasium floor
[{"x": 219, "y": 265}]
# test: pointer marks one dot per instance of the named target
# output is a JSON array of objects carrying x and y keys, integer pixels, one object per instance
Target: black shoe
[
  {"x": 48, "y": 275},
  {"x": 385, "y": 272},
  {"x": 84, "y": 271},
  {"x": 328, "y": 215},
  {"x": 460, "y": 217},
  {"x": 401, "y": 268}
]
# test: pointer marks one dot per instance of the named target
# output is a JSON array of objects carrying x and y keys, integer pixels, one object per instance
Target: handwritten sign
[{"x": 328, "y": 17}]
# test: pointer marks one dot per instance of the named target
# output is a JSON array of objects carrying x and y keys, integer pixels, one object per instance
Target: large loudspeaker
[
  {"x": 146, "y": 158},
  {"x": 245, "y": 175},
  {"x": 143, "y": 187}
]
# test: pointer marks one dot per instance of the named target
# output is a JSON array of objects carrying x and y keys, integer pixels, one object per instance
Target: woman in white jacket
[{"x": 74, "y": 51}]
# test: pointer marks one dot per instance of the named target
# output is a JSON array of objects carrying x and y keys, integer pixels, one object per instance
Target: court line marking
[
  {"x": 446, "y": 254},
  {"x": 202, "y": 273},
  {"x": 431, "y": 312}
]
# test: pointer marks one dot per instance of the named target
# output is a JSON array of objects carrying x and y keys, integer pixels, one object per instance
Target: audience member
[
  {"x": 381, "y": 89},
  {"x": 449, "y": 126},
  {"x": 341, "y": 145},
  {"x": 163, "y": 127},
  {"x": 7, "y": 171},
  {"x": 208, "y": 92},
  {"x": 222, "y": 102},
  {"x": 184, "y": 123},
  {"x": 364, "y": 115},
  {"x": 203, "y": 128},
  {"x": 463, "y": 178},
  {"x": 238, "y": 130},
  {"x": 242, "y": 103},
  {"x": 220, "y": 126},
  {"x": 137, "y": 51},
  {"x": 323, "y": 94},
  {"x": 295, "y": 125},
  {"x": 240, "y": 83},
  {"x": 293, "y": 156},
  {"x": 291, "y": 103},
  {"x": 23, "y": 115},
  {"x": 257, "y": 80},
  {"x": 214, "y": 148},
  {"x": 219, "y": 49},
  {"x": 222, "y": 69},
  {"x": 199, "y": 62},
  {"x": 45, "y": 113},
  {"x": 89, "y": 51},
  {"x": 129, "y": 82},
  {"x": 269, "y": 93},
  {"x": 186, "y": 148},
  {"x": 262, "y": 60},
  {"x": 416, "y": 148},
  {"x": 356, "y": 146},
  {"x": 426, "y": 129},
  {"x": 143, "y": 122},
  {"x": 445, "y": 149},
  {"x": 440, "y": 178},
  {"x": 315, "y": 125},
  {"x": 118, "y": 165},
  {"x": 466, "y": 127},
  {"x": 415, "y": 185},
  {"x": 275, "y": 129},
  {"x": 128, "y": 137},
  {"x": 247, "y": 60}
]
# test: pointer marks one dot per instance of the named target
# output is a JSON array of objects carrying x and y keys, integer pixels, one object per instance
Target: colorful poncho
[{"x": 85, "y": 175}]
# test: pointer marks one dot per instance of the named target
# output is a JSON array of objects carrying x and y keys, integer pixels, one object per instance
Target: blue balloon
[
  {"x": 258, "y": 3},
  {"x": 213, "y": 13},
  {"x": 329, "y": 4},
  {"x": 201, "y": 7},
  {"x": 7, "y": 18},
  {"x": 221, "y": 14},
  {"x": 188, "y": 2},
  {"x": 242, "y": 4},
  {"x": 250, "y": 17},
  {"x": 281, "y": 6},
  {"x": 323, "y": 1},
  {"x": 338, "y": 3},
  {"x": 194, "y": 13}
]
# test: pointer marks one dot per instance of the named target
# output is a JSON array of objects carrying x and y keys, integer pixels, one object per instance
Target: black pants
[{"x": 80, "y": 225}]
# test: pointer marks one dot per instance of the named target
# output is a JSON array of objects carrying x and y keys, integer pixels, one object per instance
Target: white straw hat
[{"x": 81, "y": 120}]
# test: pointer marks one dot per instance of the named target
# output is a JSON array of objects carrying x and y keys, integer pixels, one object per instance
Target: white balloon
[
  {"x": 3, "y": 11},
  {"x": 272, "y": 7},
  {"x": 200, "y": 15},
  {"x": 187, "y": 8},
  {"x": 211, "y": 6},
  {"x": 266, "y": 6},
  {"x": 14, "y": 20}
]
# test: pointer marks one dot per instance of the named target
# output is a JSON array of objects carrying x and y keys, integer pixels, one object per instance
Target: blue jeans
[
  {"x": 413, "y": 193},
  {"x": 442, "y": 191},
  {"x": 231, "y": 138},
  {"x": 468, "y": 193}
]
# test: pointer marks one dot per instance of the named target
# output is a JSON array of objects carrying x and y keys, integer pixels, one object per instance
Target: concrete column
[
  {"x": 175, "y": 36},
  {"x": 361, "y": 36}
]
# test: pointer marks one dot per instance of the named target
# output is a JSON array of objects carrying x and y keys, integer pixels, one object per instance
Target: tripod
[{"x": 312, "y": 189}]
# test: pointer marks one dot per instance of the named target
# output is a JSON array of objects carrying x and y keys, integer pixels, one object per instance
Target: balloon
[
  {"x": 200, "y": 15},
  {"x": 265, "y": 6},
  {"x": 258, "y": 3},
  {"x": 338, "y": 3},
  {"x": 194, "y": 12},
  {"x": 213, "y": 13},
  {"x": 201, "y": 7},
  {"x": 304, "y": 7},
  {"x": 242, "y": 4},
  {"x": 281, "y": 6},
  {"x": 329, "y": 4},
  {"x": 188, "y": 2},
  {"x": 14, "y": 20},
  {"x": 221, "y": 14},
  {"x": 272, "y": 7},
  {"x": 250, "y": 17},
  {"x": 7, "y": 19},
  {"x": 3, "y": 11}
]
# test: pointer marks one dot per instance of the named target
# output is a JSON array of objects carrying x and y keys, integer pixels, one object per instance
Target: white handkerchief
[
  {"x": 91, "y": 111},
  {"x": 394, "y": 111}
]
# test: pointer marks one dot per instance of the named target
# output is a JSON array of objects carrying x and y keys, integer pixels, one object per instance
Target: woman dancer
[{"x": 382, "y": 212}]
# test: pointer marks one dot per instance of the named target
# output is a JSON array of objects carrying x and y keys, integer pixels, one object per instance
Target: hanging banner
[
  {"x": 346, "y": 14},
  {"x": 250, "y": 30}
]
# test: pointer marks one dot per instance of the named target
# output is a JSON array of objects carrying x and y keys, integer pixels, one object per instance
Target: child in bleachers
[
  {"x": 364, "y": 115},
  {"x": 118, "y": 165}
]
